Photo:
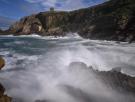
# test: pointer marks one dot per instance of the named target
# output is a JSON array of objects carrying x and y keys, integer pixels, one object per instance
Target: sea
[{"x": 56, "y": 69}]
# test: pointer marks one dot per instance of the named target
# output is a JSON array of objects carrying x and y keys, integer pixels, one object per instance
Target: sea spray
[{"x": 57, "y": 70}]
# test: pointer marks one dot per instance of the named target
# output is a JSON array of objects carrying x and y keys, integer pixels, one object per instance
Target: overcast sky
[{"x": 18, "y": 8}]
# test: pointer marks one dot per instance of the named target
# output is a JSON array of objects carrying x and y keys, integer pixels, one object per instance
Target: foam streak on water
[{"x": 39, "y": 68}]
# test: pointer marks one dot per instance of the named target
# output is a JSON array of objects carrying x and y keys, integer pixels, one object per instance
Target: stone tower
[{"x": 51, "y": 9}]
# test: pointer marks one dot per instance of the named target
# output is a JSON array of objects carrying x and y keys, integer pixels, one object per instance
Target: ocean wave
[
  {"x": 44, "y": 68},
  {"x": 34, "y": 35}
]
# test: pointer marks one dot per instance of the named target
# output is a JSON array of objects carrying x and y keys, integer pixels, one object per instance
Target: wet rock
[
  {"x": 113, "y": 79},
  {"x": 117, "y": 80},
  {"x": 77, "y": 68},
  {"x": 2, "y": 90},
  {"x": 117, "y": 69},
  {"x": 3, "y": 97},
  {"x": 77, "y": 65},
  {"x": 77, "y": 93},
  {"x": 2, "y": 62}
]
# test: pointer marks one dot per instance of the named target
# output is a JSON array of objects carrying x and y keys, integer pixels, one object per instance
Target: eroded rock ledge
[
  {"x": 116, "y": 80},
  {"x": 113, "y": 79}
]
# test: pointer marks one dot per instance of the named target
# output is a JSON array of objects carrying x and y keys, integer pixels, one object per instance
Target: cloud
[
  {"x": 34, "y": 1},
  {"x": 64, "y": 4}
]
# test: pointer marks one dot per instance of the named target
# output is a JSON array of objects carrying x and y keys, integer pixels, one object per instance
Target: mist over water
[{"x": 57, "y": 69}]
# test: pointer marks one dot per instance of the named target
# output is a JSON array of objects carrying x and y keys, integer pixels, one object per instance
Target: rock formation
[
  {"x": 117, "y": 80},
  {"x": 1, "y": 32},
  {"x": 113, "y": 78},
  {"x": 112, "y": 20},
  {"x": 2, "y": 62},
  {"x": 3, "y": 97}
]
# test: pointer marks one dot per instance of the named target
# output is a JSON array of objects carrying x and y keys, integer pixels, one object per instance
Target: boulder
[
  {"x": 2, "y": 62},
  {"x": 2, "y": 90},
  {"x": 3, "y": 97},
  {"x": 117, "y": 80}
]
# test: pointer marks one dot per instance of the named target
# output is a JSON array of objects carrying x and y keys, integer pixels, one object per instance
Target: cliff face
[{"x": 112, "y": 20}]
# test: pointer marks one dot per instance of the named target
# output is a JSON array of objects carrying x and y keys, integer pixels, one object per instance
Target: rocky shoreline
[
  {"x": 112, "y": 20},
  {"x": 117, "y": 80},
  {"x": 113, "y": 79}
]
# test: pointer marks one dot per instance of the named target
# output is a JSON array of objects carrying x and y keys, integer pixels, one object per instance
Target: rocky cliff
[{"x": 112, "y": 20}]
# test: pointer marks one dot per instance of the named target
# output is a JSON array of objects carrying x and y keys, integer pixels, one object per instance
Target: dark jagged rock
[
  {"x": 2, "y": 62},
  {"x": 117, "y": 80},
  {"x": 3, "y": 97},
  {"x": 113, "y": 78},
  {"x": 112, "y": 20},
  {"x": 2, "y": 90}
]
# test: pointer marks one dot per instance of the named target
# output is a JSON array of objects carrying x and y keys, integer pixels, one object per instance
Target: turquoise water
[{"x": 37, "y": 68}]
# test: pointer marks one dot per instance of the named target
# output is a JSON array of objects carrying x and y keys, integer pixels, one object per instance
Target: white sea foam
[
  {"x": 67, "y": 36},
  {"x": 51, "y": 76}
]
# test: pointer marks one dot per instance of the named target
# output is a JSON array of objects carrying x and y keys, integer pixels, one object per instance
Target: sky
[{"x": 16, "y": 9}]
